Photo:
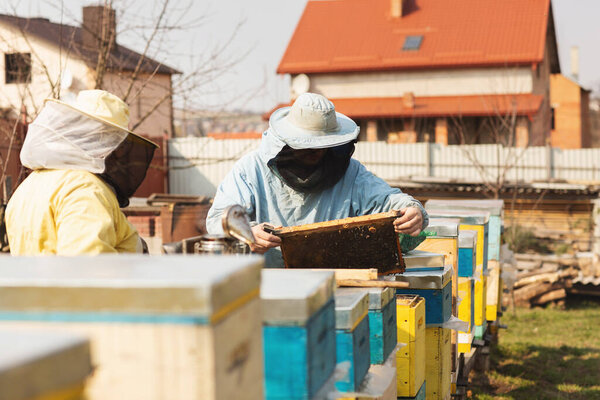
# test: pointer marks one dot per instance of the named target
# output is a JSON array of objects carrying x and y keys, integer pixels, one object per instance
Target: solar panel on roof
[{"x": 412, "y": 43}]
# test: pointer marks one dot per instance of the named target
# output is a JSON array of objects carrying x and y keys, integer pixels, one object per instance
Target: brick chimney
[
  {"x": 99, "y": 25},
  {"x": 397, "y": 8}
]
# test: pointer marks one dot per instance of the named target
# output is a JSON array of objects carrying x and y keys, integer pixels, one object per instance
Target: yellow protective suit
[{"x": 67, "y": 212}]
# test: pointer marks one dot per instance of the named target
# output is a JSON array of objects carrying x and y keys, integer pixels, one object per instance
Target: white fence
[{"x": 198, "y": 165}]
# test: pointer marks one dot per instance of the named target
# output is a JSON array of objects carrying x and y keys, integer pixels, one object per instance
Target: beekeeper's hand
[
  {"x": 410, "y": 222},
  {"x": 264, "y": 240}
]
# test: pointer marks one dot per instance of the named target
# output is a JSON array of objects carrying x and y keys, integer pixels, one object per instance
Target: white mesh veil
[{"x": 62, "y": 138}]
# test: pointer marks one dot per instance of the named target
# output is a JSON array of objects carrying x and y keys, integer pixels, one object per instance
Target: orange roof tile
[
  {"x": 442, "y": 106},
  {"x": 360, "y": 35}
]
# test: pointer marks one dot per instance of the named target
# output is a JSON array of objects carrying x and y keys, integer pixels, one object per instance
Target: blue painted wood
[
  {"x": 299, "y": 359},
  {"x": 479, "y": 331},
  {"x": 352, "y": 348},
  {"x": 438, "y": 303},
  {"x": 420, "y": 394},
  {"x": 383, "y": 332},
  {"x": 466, "y": 264},
  {"x": 495, "y": 228}
]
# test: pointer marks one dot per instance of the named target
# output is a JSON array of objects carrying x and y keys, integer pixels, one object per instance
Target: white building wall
[
  {"x": 458, "y": 82},
  {"x": 47, "y": 64}
]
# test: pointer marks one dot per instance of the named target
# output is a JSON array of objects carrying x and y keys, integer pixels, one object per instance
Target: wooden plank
[
  {"x": 371, "y": 283},
  {"x": 367, "y": 274},
  {"x": 551, "y": 296}
]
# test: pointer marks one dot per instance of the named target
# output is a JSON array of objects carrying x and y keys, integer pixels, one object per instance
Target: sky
[{"x": 257, "y": 33}]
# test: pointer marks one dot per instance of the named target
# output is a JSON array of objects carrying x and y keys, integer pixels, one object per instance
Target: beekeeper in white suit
[
  {"x": 303, "y": 173},
  {"x": 86, "y": 164}
]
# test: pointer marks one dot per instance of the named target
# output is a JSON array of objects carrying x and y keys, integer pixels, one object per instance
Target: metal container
[{"x": 219, "y": 244}]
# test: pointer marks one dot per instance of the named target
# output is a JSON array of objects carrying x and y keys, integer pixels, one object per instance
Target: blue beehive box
[
  {"x": 436, "y": 288},
  {"x": 352, "y": 338},
  {"x": 298, "y": 331},
  {"x": 467, "y": 253},
  {"x": 382, "y": 322},
  {"x": 420, "y": 394}
]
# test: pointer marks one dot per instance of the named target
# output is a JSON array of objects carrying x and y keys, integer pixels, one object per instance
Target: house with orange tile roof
[{"x": 465, "y": 71}]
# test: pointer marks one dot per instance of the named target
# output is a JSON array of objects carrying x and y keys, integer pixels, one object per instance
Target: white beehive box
[{"x": 160, "y": 327}]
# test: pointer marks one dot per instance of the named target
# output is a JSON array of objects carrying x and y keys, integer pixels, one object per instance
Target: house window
[
  {"x": 17, "y": 67},
  {"x": 412, "y": 43},
  {"x": 553, "y": 118}
]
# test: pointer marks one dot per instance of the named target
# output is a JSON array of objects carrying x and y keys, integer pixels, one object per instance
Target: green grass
[{"x": 545, "y": 354}]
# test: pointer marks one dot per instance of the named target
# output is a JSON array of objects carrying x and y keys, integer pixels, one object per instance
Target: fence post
[
  {"x": 549, "y": 163},
  {"x": 428, "y": 160}
]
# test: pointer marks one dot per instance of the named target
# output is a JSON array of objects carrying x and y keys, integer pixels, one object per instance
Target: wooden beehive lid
[
  {"x": 494, "y": 207},
  {"x": 473, "y": 217},
  {"x": 360, "y": 242},
  {"x": 292, "y": 296},
  {"x": 350, "y": 307},
  {"x": 467, "y": 239},
  {"x": 423, "y": 259},
  {"x": 408, "y": 300},
  {"x": 198, "y": 287},
  {"x": 378, "y": 297},
  {"x": 434, "y": 279},
  {"x": 444, "y": 227},
  {"x": 34, "y": 364}
]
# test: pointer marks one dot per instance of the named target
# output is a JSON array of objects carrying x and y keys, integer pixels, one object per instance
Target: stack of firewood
[{"x": 541, "y": 279}]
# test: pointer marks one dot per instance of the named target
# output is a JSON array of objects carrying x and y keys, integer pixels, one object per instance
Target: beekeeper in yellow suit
[{"x": 86, "y": 164}]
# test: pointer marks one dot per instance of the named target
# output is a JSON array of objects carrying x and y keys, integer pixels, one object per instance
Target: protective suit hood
[{"x": 84, "y": 137}]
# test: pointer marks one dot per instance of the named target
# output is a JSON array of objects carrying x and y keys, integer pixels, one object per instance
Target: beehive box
[
  {"x": 418, "y": 260},
  {"x": 298, "y": 331},
  {"x": 160, "y": 327},
  {"x": 368, "y": 241},
  {"x": 466, "y": 308},
  {"x": 446, "y": 242},
  {"x": 382, "y": 322},
  {"x": 465, "y": 342},
  {"x": 494, "y": 207},
  {"x": 352, "y": 338},
  {"x": 467, "y": 253},
  {"x": 410, "y": 359},
  {"x": 435, "y": 287},
  {"x": 480, "y": 299},
  {"x": 37, "y": 365},
  {"x": 493, "y": 290},
  {"x": 438, "y": 363},
  {"x": 470, "y": 220}
]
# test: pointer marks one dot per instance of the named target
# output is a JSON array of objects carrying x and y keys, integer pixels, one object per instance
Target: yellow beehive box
[
  {"x": 480, "y": 296},
  {"x": 438, "y": 362},
  {"x": 410, "y": 317},
  {"x": 493, "y": 290},
  {"x": 465, "y": 308},
  {"x": 410, "y": 359},
  {"x": 465, "y": 342}
]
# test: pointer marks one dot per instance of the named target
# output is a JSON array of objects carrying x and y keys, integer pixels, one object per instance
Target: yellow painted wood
[
  {"x": 480, "y": 296},
  {"x": 410, "y": 359},
  {"x": 465, "y": 342},
  {"x": 438, "y": 363},
  {"x": 73, "y": 392},
  {"x": 410, "y": 317},
  {"x": 492, "y": 291},
  {"x": 411, "y": 370},
  {"x": 465, "y": 294}
]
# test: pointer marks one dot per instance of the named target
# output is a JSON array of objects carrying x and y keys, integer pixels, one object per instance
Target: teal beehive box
[
  {"x": 382, "y": 322},
  {"x": 352, "y": 338},
  {"x": 299, "y": 332},
  {"x": 467, "y": 253}
]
